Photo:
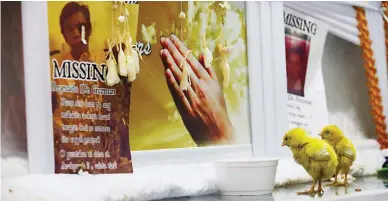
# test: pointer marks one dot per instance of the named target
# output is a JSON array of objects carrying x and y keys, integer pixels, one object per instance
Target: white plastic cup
[{"x": 253, "y": 176}]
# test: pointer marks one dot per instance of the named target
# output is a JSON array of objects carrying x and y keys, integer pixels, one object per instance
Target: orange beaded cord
[
  {"x": 384, "y": 7},
  {"x": 372, "y": 79},
  {"x": 384, "y": 4}
]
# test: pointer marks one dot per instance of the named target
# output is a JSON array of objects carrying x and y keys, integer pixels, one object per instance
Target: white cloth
[{"x": 149, "y": 183}]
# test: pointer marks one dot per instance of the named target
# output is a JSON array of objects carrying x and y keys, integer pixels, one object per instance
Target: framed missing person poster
[{"x": 154, "y": 118}]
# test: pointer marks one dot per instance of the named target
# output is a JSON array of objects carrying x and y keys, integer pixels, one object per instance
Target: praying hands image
[{"x": 202, "y": 106}]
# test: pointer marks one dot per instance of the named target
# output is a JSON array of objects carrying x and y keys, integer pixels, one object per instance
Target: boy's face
[
  {"x": 72, "y": 31},
  {"x": 294, "y": 64}
]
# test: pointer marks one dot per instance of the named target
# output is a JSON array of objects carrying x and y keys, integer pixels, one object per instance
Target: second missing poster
[{"x": 305, "y": 39}]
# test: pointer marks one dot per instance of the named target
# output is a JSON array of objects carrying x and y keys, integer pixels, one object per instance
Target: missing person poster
[
  {"x": 184, "y": 85},
  {"x": 305, "y": 40},
  {"x": 91, "y": 119}
]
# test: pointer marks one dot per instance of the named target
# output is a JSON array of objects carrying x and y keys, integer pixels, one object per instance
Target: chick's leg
[
  {"x": 335, "y": 183},
  {"x": 320, "y": 189},
  {"x": 345, "y": 181},
  {"x": 309, "y": 192}
]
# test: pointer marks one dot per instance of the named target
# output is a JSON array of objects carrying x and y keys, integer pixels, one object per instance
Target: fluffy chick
[
  {"x": 344, "y": 148},
  {"x": 316, "y": 156}
]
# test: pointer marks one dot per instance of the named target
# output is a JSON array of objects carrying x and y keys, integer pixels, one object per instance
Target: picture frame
[
  {"x": 271, "y": 76},
  {"x": 274, "y": 77},
  {"x": 263, "y": 120},
  {"x": 267, "y": 93},
  {"x": 40, "y": 141}
]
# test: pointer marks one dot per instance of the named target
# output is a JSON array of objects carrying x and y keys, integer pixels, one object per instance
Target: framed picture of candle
[{"x": 193, "y": 87}]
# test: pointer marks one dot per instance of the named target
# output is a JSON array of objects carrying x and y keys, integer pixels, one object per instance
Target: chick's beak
[
  {"x": 320, "y": 134},
  {"x": 283, "y": 144}
]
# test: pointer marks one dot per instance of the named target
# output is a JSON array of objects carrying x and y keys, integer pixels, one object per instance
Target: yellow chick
[
  {"x": 316, "y": 156},
  {"x": 346, "y": 152}
]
